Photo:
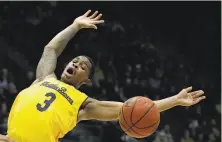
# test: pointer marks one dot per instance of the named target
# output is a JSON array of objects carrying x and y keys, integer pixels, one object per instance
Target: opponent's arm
[
  {"x": 108, "y": 110},
  {"x": 54, "y": 48}
]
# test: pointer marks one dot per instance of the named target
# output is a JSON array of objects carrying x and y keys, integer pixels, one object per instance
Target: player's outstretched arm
[
  {"x": 54, "y": 48},
  {"x": 100, "y": 110},
  {"x": 109, "y": 110},
  {"x": 183, "y": 98}
]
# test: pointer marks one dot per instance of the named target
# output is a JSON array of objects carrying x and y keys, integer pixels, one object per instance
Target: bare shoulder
[
  {"x": 41, "y": 79},
  {"x": 85, "y": 108},
  {"x": 87, "y": 102}
]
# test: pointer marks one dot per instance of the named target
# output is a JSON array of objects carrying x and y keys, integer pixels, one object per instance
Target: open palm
[
  {"x": 86, "y": 21},
  {"x": 187, "y": 98}
]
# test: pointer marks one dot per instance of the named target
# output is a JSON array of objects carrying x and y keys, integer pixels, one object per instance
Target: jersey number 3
[{"x": 47, "y": 102}]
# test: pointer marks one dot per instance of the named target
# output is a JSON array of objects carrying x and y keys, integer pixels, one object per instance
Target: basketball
[{"x": 139, "y": 117}]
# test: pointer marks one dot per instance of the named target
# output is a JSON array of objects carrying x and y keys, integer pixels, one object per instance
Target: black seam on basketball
[
  {"x": 124, "y": 119},
  {"x": 122, "y": 124},
  {"x": 131, "y": 115},
  {"x": 128, "y": 124},
  {"x": 141, "y": 117},
  {"x": 132, "y": 130}
]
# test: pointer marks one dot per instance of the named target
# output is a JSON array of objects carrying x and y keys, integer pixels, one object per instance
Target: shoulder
[
  {"x": 85, "y": 108},
  {"x": 51, "y": 76},
  {"x": 88, "y": 101}
]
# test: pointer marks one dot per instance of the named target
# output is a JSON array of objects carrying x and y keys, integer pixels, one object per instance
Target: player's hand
[
  {"x": 187, "y": 98},
  {"x": 4, "y": 138},
  {"x": 89, "y": 21}
]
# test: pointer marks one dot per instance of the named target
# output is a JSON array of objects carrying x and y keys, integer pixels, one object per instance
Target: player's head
[{"x": 79, "y": 71}]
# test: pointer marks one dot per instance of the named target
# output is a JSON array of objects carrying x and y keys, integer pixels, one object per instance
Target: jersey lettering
[{"x": 61, "y": 90}]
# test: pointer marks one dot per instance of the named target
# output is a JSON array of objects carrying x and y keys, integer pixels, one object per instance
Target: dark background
[{"x": 153, "y": 49}]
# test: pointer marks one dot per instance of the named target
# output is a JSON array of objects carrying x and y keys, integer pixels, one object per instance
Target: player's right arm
[{"x": 54, "y": 48}]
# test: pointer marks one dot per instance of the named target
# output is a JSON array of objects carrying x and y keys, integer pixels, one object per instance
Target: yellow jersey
[{"x": 44, "y": 112}]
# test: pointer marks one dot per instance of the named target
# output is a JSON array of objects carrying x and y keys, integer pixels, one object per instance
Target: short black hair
[{"x": 92, "y": 70}]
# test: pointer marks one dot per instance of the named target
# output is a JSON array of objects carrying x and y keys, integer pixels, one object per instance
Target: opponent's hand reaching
[
  {"x": 86, "y": 21},
  {"x": 187, "y": 98},
  {"x": 4, "y": 138}
]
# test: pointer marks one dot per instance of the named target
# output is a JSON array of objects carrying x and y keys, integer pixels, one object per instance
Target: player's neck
[{"x": 75, "y": 86}]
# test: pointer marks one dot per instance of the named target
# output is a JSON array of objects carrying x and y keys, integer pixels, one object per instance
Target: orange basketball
[{"x": 139, "y": 117}]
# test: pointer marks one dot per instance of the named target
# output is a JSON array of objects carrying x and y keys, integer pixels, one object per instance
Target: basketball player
[{"x": 51, "y": 107}]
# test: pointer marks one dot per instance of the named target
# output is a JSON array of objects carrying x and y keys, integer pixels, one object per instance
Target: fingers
[
  {"x": 98, "y": 22},
  {"x": 193, "y": 93},
  {"x": 197, "y": 94},
  {"x": 98, "y": 17},
  {"x": 91, "y": 21},
  {"x": 87, "y": 13},
  {"x": 188, "y": 89},
  {"x": 94, "y": 15},
  {"x": 199, "y": 99},
  {"x": 93, "y": 26}
]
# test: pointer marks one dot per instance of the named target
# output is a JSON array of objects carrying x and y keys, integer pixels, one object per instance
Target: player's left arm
[
  {"x": 109, "y": 110},
  {"x": 100, "y": 110},
  {"x": 183, "y": 98}
]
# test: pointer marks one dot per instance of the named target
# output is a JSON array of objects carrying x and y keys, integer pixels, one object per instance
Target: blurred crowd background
[{"x": 151, "y": 49}]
